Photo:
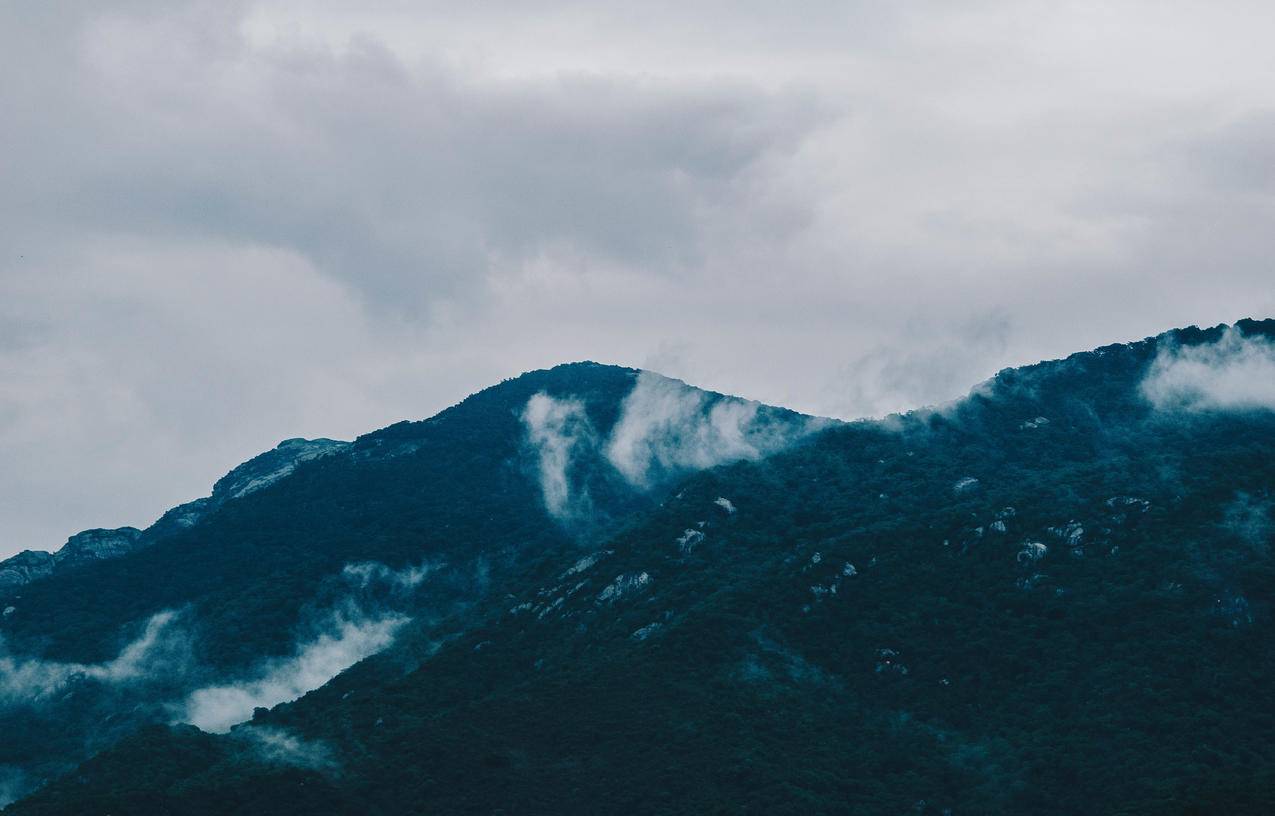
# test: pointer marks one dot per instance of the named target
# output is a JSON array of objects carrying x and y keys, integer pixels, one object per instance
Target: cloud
[
  {"x": 666, "y": 426},
  {"x": 31, "y": 680},
  {"x": 217, "y": 708},
  {"x": 231, "y": 223},
  {"x": 278, "y": 746},
  {"x": 557, "y": 429},
  {"x": 359, "y": 624},
  {"x": 159, "y": 676},
  {"x": 1235, "y": 373},
  {"x": 945, "y": 362},
  {"x": 367, "y": 573},
  {"x": 443, "y": 181}
]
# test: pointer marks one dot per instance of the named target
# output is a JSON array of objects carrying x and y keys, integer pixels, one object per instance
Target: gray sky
[{"x": 227, "y": 223}]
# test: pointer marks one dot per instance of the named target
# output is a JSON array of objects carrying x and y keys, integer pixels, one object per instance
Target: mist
[
  {"x": 665, "y": 425},
  {"x": 217, "y": 708},
  {"x": 557, "y": 429},
  {"x": 31, "y": 680},
  {"x": 277, "y": 746},
  {"x": 160, "y": 675},
  {"x": 1236, "y": 372},
  {"x": 359, "y": 624}
]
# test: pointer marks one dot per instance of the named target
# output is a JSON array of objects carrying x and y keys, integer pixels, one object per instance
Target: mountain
[
  {"x": 313, "y": 556},
  {"x": 597, "y": 590}
]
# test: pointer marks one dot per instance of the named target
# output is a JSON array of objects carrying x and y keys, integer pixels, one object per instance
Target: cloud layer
[{"x": 229, "y": 223}]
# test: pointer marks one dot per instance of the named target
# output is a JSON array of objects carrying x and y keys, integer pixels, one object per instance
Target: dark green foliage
[
  {"x": 190, "y": 766},
  {"x": 1128, "y": 670},
  {"x": 451, "y": 484},
  {"x": 450, "y": 490}
]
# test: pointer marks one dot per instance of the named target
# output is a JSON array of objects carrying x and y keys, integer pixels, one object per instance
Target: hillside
[
  {"x": 297, "y": 567},
  {"x": 1053, "y": 596}
]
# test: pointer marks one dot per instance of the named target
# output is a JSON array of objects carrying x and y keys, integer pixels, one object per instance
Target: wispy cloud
[
  {"x": 366, "y": 573},
  {"x": 1248, "y": 517},
  {"x": 278, "y": 746},
  {"x": 217, "y": 708},
  {"x": 665, "y": 425},
  {"x": 556, "y": 429},
  {"x": 29, "y": 680},
  {"x": 1237, "y": 372},
  {"x": 355, "y": 628}
]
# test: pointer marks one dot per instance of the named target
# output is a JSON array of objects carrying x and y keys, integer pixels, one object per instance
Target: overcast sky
[{"x": 227, "y": 223}]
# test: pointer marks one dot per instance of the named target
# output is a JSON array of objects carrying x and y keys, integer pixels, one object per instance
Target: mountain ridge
[
  {"x": 321, "y": 563},
  {"x": 102, "y": 543},
  {"x": 835, "y": 582}
]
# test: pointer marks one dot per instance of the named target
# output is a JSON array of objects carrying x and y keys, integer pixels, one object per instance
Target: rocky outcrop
[
  {"x": 95, "y": 545},
  {"x": 79, "y": 549},
  {"x": 271, "y": 466},
  {"x": 24, "y": 568}
]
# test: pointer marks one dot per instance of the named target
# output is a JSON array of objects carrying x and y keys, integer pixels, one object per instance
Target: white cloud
[
  {"x": 557, "y": 430},
  {"x": 30, "y": 680},
  {"x": 666, "y": 425},
  {"x": 356, "y": 627},
  {"x": 1236, "y": 372},
  {"x": 228, "y": 223},
  {"x": 349, "y": 640}
]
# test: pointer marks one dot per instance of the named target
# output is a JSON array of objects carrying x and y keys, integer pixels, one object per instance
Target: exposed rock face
[
  {"x": 96, "y": 545},
  {"x": 271, "y": 466},
  {"x": 79, "y": 549},
  {"x": 24, "y": 568}
]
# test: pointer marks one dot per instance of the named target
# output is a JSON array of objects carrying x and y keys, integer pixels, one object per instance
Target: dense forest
[{"x": 1052, "y": 596}]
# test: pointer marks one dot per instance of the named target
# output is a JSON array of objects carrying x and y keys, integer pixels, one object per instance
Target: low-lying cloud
[
  {"x": 1235, "y": 373},
  {"x": 217, "y": 708},
  {"x": 29, "y": 680},
  {"x": 158, "y": 675},
  {"x": 1248, "y": 518},
  {"x": 557, "y": 428},
  {"x": 355, "y": 628},
  {"x": 665, "y": 425},
  {"x": 367, "y": 573},
  {"x": 278, "y": 746}
]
